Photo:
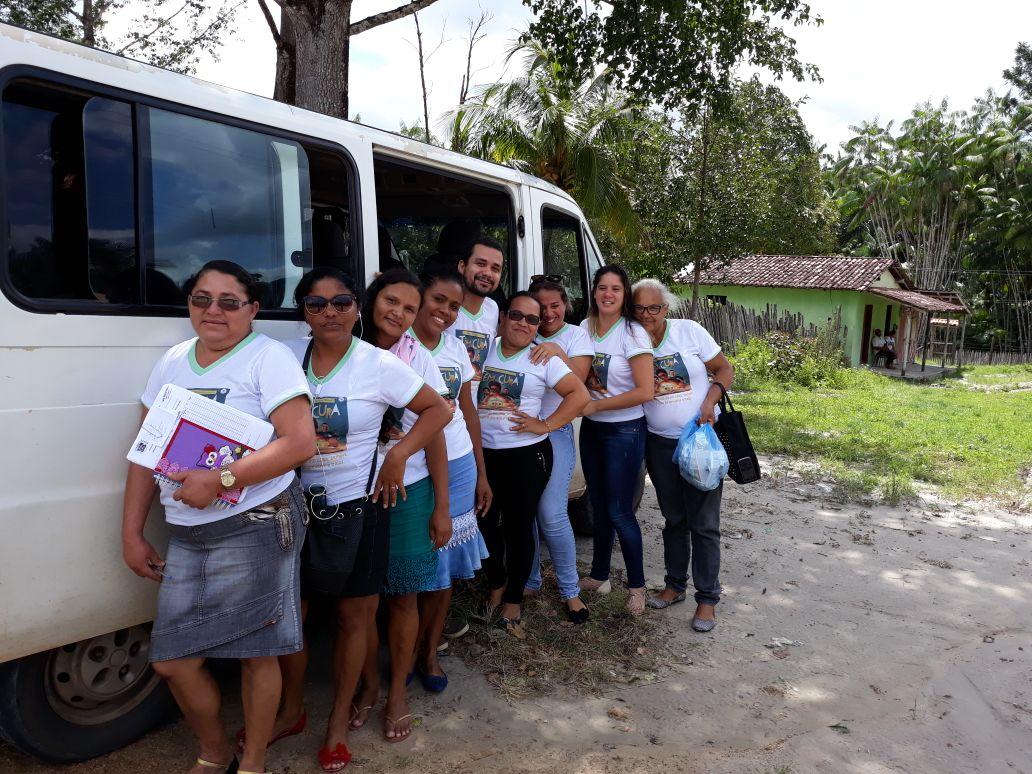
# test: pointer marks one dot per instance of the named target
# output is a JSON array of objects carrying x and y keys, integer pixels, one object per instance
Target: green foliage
[
  {"x": 677, "y": 54},
  {"x": 1020, "y": 76},
  {"x": 779, "y": 358},
  {"x": 876, "y": 433}
]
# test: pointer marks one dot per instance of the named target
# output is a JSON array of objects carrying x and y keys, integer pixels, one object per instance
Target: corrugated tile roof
[
  {"x": 925, "y": 301},
  {"x": 822, "y": 272}
]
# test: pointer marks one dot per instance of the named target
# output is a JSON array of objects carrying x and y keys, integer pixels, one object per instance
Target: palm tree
[{"x": 560, "y": 127}]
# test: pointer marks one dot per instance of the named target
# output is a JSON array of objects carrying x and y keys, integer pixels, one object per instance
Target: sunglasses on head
[
  {"x": 202, "y": 301},
  {"x": 652, "y": 309},
  {"x": 318, "y": 304},
  {"x": 516, "y": 315},
  {"x": 559, "y": 278}
]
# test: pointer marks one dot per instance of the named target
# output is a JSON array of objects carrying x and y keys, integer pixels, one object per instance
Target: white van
[{"x": 118, "y": 181}]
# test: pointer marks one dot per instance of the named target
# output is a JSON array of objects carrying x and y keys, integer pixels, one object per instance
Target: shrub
[{"x": 786, "y": 359}]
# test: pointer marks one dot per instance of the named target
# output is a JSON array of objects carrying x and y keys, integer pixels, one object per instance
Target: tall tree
[
  {"x": 560, "y": 128},
  {"x": 173, "y": 34},
  {"x": 673, "y": 52},
  {"x": 313, "y": 43},
  {"x": 1020, "y": 75}
]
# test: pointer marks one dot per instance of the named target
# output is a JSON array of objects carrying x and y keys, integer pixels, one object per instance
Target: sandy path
[{"x": 914, "y": 627}]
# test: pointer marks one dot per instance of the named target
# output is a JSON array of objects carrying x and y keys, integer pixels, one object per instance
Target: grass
[
  {"x": 970, "y": 436},
  {"x": 611, "y": 648}
]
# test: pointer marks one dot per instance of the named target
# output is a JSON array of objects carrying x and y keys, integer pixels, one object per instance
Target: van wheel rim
[{"x": 100, "y": 679}]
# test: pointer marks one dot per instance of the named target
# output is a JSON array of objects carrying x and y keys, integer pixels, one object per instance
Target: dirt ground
[{"x": 910, "y": 650}]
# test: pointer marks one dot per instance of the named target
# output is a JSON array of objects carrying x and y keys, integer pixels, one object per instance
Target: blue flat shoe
[
  {"x": 704, "y": 624},
  {"x": 433, "y": 683}
]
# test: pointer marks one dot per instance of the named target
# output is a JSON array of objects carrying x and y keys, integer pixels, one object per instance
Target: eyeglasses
[
  {"x": 547, "y": 278},
  {"x": 225, "y": 304},
  {"x": 516, "y": 315},
  {"x": 318, "y": 304},
  {"x": 652, "y": 309}
]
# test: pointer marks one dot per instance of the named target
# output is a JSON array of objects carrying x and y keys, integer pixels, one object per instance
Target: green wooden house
[{"x": 868, "y": 293}]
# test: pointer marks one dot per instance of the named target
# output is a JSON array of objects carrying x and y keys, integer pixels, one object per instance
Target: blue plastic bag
[{"x": 700, "y": 456}]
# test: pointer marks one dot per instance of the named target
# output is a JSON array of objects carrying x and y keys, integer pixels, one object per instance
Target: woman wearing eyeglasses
[
  {"x": 685, "y": 356},
  {"x": 517, "y": 451},
  {"x": 229, "y": 580},
  {"x": 349, "y": 486}
]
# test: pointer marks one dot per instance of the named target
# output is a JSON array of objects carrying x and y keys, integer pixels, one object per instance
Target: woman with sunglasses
[
  {"x": 419, "y": 519},
  {"x": 229, "y": 580},
  {"x": 348, "y": 486},
  {"x": 558, "y": 338},
  {"x": 469, "y": 494},
  {"x": 517, "y": 451},
  {"x": 685, "y": 356},
  {"x": 612, "y": 434}
]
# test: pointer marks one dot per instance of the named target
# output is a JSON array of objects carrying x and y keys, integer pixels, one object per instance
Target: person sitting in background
[{"x": 881, "y": 350}]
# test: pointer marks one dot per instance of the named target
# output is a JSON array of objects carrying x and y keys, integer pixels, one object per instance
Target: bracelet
[{"x": 548, "y": 427}]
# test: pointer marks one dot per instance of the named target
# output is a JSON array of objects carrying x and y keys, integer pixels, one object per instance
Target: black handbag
[{"x": 743, "y": 466}]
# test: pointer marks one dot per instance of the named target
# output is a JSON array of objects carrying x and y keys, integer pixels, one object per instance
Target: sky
[{"x": 878, "y": 58}]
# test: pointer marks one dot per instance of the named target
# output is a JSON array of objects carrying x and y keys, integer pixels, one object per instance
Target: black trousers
[{"x": 518, "y": 478}]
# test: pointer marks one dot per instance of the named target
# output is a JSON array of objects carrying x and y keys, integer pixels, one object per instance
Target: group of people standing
[{"x": 443, "y": 445}]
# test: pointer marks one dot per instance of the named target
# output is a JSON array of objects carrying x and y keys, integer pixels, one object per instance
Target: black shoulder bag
[{"x": 744, "y": 467}]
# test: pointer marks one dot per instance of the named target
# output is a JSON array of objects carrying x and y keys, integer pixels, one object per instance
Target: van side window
[
  {"x": 562, "y": 246},
  {"x": 217, "y": 191},
  {"x": 69, "y": 195},
  {"x": 110, "y": 204},
  {"x": 429, "y": 217}
]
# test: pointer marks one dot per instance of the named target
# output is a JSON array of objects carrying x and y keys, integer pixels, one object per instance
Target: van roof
[{"x": 166, "y": 84}]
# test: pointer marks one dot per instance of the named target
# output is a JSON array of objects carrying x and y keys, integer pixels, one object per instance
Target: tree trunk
[
  {"x": 89, "y": 27},
  {"x": 701, "y": 217},
  {"x": 321, "y": 57},
  {"x": 422, "y": 79},
  {"x": 286, "y": 63}
]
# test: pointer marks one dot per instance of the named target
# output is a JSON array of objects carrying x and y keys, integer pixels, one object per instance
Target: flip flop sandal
[
  {"x": 394, "y": 725},
  {"x": 336, "y": 759},
  {"x": 233, "y": 767},
  {"x": 297, "y": 728},
  {"x": 355, "y": 712}
]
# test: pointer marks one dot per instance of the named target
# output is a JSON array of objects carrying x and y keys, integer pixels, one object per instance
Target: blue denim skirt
[
  {"x": 231, "y": 587},
  {"x": 461, "y": 557}
]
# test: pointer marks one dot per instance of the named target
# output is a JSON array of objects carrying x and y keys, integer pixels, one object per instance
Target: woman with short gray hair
[{"x": 685, "y": 355}]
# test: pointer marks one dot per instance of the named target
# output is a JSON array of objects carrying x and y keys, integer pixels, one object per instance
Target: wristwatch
[{"x": 227, "y": 478}]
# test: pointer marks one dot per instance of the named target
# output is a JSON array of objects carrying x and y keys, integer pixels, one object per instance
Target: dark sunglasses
[
  {"x": 652, "y": 309},
  {"x": 225, "y": 304},
  {"x": 318, "y": 304},
  {"x": 559, "y": 278},
  {"x": 516, "y": 315}
]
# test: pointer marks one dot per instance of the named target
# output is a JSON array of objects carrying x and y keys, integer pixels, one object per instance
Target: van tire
[
  {"x": 31, "y": 723},
  {"x": 582, "y": 517}
]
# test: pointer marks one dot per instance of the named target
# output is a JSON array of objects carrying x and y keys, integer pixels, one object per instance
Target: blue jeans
[
  {"x": 690, "y": 515},
  {"x": 553, "y": 521},
  {"x": 611, "y": 456}
]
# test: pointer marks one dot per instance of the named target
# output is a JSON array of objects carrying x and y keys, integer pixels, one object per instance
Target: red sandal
[
  {"x": 295, "y": 729},
  {"x": 336, "y": 759}
]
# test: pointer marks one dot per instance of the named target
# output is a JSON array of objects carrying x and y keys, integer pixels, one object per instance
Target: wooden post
[
  {"x": 927, "y": 333},
  {"x": 960, "y": 352}
]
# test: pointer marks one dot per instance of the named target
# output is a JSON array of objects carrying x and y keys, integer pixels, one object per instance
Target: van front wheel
[{"x": 83, "y": 700}]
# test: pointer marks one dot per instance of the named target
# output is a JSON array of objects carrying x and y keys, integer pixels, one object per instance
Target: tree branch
[
  {"x": 272, "y": 22},
  {"x": 400, "y": 12},
  {"x": 162, "y": 23}
]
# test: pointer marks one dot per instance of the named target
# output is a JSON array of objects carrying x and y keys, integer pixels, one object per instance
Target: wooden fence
[
  {"x": 979, "y": 357},
  {"x": 730, "y": 323}
]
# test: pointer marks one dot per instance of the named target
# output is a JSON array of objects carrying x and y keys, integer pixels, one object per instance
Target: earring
[{"x": 360, "y": 329}]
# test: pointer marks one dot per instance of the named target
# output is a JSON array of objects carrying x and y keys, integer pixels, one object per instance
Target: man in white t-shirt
[{"x": 477, "y": 323}]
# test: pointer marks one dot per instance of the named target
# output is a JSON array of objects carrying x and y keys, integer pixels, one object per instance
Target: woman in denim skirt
[
  {"x": 685, "y": 358},
  {"x": 229, "y": 580}
]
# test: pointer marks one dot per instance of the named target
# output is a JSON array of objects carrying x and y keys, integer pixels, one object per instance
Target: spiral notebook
[{"x": 184, "y": 431}]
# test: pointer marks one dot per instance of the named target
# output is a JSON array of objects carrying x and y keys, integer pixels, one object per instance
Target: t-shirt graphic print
[
  {"x": 500, "y": 390},
  {"x": 452, "y": 383},
  {"x": 671, "y": 375},
  {"x": 331, "y": 424},
  {"x": 217, "y": 394},
  {"x": 476, "y": 344},
  {"x": 598, "y": 376}
]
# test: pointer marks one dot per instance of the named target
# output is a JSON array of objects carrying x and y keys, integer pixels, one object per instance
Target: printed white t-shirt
[
  {"x": 456, "y": 370},
  {"x": 401, "y": 420},
  {"x": 348, "y": 405},
  {"x": 512, "y": 384},
  {"x": 476, "y": 332},
  {"x": 610, "y": 372},
  {"x": 681, "y": 378},
  {"x": 257, "y": 376},
  {"x": 575, "y": 342}
]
